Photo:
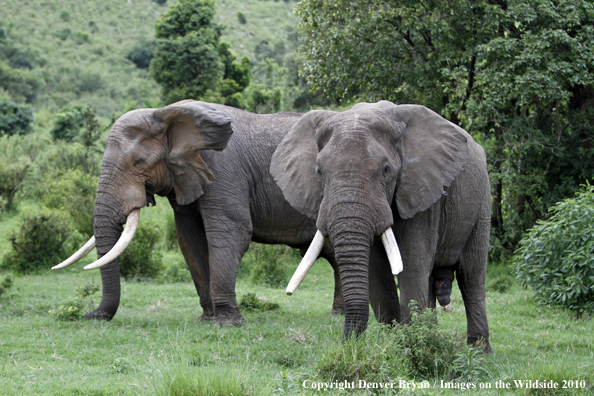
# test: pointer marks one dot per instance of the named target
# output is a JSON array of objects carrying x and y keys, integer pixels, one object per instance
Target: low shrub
[
  {"x": 419, "y": 350},
  {"x": 15, "y": 119},
  {"x": 177, "y": 272},
  {"x": 142, "y": 258},
  {"x": 250, "y": 303},
  {"x": 42, "y": 239},
  {"x": 556, "y": 258},
  {"x": 74, "y": 190},
  {"x": 500, "y": 283},
  {"x": 73, "y": 308},
  {"x": 5, "y": 285},
  {"x": 12, "y": 176},
  {"x": 267, "y": 264}
]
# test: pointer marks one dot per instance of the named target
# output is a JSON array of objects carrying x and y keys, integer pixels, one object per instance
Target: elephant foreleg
[{"x": 192, "y": 241}]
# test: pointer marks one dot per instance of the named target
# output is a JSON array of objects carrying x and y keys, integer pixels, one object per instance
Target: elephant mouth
[
  {"x": 388, "y": 240},
  {"x": 116, "y": 250}
]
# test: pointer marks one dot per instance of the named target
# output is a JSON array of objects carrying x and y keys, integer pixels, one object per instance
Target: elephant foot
[
  {"x": 480, "y": 342},
  {"x": 337, "y": 311},
  {"x": 206, "y": 317},
  {"x": 98, "y": 314},
  {"x": 234, "y": 319}
]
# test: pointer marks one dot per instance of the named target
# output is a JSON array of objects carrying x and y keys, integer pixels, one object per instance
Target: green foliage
[
  {"x": 73, "y": 308},
  {"x": 517, "y": 74},
  {"x": 5, "y": 285},
  {"x": 41, "y": 240},
  {"x": 250, "y": 303},
  {"x": 556, "y": 258},
  {"x": 190, "y": 62},
  {"x": 22, "y": 85},
  {"x": 420, "y": 350},
  {"x": 15, "y": 119},
  {"x": 76, "y": 124},
  {"x": 241, "y": 18},
  {"x": 177, "y": 272},
  {"x": 268, "y": 264},
  {"x": 12, "y": 176},
  {"x": 142, "y": 53},
  {"x": 74, "y": 190},
  {"x": 142, "y": 258},
  {"x": 500, "y": 283}
]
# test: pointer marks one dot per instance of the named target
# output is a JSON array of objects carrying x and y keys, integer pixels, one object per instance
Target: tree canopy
[
  {"x": 190, "y": 62},
  {"x": 517, "y": 74}
]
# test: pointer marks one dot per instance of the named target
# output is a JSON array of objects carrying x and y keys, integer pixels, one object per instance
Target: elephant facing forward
[{"x": 381, "y": 167}]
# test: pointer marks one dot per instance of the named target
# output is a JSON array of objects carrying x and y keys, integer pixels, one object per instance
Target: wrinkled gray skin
[
  {"x": 380, "y": 165},
  {"x": 222, "y": 199}
]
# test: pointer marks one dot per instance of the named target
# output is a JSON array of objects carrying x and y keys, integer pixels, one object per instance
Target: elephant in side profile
[
  {"x": 222, "y": 199},
  {"x": 381, "y": 167}
]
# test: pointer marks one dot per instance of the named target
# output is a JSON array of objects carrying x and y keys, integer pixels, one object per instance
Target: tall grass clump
[
  {"x": 182, "y": 380},
  {"x": 556, "y": 258},
  {"x": 419, "y": 350}
]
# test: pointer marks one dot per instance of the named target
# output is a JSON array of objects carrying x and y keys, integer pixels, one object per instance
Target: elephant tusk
[
  {"x": 392, "y": 251},
  {"x": 122, "y": 243},
  {"x": 310, "y": 256},
  {"x": 82, "y": 252}
]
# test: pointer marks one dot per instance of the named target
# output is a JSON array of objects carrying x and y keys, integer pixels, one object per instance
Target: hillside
[{"x": 78, "y": 50}]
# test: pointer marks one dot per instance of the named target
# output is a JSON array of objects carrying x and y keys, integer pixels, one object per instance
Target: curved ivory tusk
[
  {"x": 82, "y": 252},
  {"x": 310, "y": 256},
  {"x": 392, "y": 251},
  {"x": 123, "y": 242}
]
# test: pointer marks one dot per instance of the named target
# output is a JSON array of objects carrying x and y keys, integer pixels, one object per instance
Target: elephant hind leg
[
  {"x": 383, "y": 294},
  {"x": 191, "y": 238},
  {"x": 338, "y": 301},
  {"x": 471, "y": 275}
]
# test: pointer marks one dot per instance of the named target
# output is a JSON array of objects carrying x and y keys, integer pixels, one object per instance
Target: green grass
[{"x": 155, "y": 345}]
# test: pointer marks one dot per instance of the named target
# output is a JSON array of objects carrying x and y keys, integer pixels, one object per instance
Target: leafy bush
[
  {"x": 15, "y": 119},
  {"x": 267, "y": 264},
  {"x": 41, "y": 240},
  {"x": 74, "y": 190},
  {"x": 74, "y": 307},
  {"x": 142, "y": 259},
  {"x": 142, "y": 53},
  {"x": 177, "y": 272},
  {"x": 419, "y": 350},
  {"x": 22, "y": 85},
  {"x": 250, "y": 303},
  {"x": 241, "y": 18},
  {"x": 67, "y": 123},
  {"x": 12, "y": 176},
  {"x": 556, "y": 258},
  {"x": 5, "y": 285}
]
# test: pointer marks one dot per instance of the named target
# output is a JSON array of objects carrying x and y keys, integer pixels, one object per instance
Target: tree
[
  {"x": 15, "y": 119},
  {"x": 517, "y": 74},
  {"x": 190, "y": 62}
]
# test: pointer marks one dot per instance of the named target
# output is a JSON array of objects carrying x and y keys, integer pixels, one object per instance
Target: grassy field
[{"x": 155, "y": 343}]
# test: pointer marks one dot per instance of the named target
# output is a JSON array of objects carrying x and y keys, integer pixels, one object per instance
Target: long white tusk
[
  {"x": 310, "y": 256},
  {"x": 392, "y": 251},
  {"x": 122, "y": 244},
  {"x": 82, "y": 252}
]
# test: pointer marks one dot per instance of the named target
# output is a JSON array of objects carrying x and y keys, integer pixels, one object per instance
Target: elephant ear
[
  {"x": 191, "y": 127},
  {"x": 435, "y": 152},
  {"x": 294, "y": 164}
]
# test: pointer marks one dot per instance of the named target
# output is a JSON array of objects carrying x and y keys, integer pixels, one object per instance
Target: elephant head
[
  {"x": 148, "y": 151},
  {"x": 356, "y": 171}
]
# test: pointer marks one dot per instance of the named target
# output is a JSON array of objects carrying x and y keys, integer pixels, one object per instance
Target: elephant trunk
[
  {"x": 351, "y": 238},
  {"x": 107, "y": 229}
]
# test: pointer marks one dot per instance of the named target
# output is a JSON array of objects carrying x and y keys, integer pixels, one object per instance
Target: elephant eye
[
  {"x": 318, "y": 171},
  {"x": 387, "y": 169},
  {"x": 137, "y": 160}
]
